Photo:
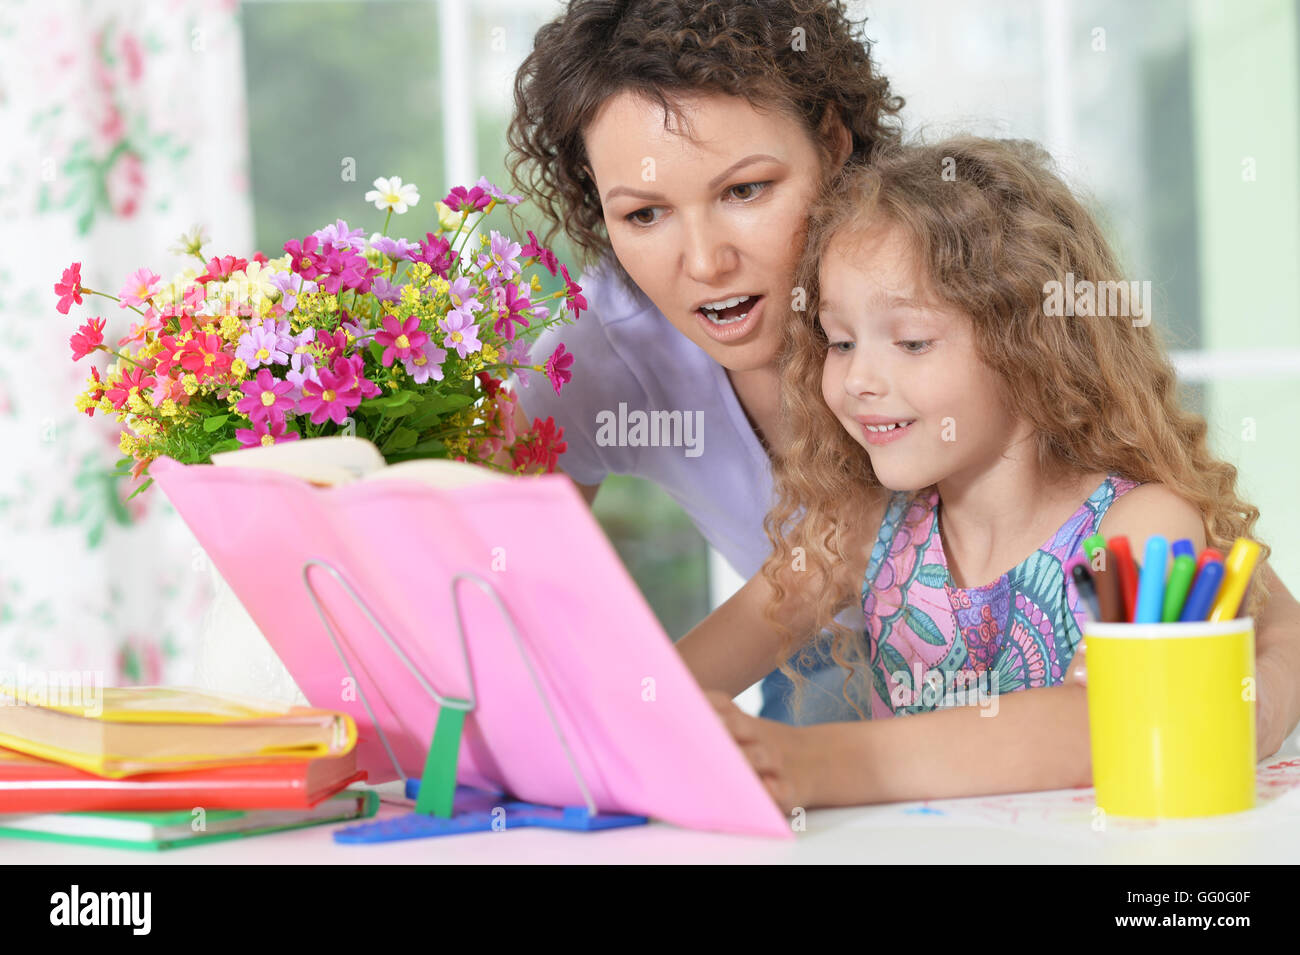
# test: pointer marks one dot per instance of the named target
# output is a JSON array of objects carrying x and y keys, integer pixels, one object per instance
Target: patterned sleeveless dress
[{"x": 932, "y": 644}]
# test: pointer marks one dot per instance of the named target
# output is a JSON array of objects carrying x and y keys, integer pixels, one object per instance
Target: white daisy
[{"x": 391, "y": 194}]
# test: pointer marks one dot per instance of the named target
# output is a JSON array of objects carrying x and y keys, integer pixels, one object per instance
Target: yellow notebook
[{"x": 121, "y": 731}]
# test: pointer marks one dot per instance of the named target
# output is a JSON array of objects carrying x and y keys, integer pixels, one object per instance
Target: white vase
[{"x": 234, "y": 656}]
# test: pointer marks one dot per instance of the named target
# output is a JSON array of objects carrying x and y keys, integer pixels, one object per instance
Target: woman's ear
[{"x": 837, "y": 136}]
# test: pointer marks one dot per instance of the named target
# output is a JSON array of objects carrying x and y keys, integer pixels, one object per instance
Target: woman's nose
[{"x": 708, "y": 253}]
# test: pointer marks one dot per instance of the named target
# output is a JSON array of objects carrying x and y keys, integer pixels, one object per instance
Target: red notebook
[{"x": 28, "y": 784}]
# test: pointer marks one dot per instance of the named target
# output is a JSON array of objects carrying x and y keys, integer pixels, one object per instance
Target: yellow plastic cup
[{"x": 1171, "y": 714}]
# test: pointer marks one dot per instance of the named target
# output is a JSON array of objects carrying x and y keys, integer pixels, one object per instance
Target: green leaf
[
  {"x": 230, "y": 444},
  {"x": 932, "y": 575},
  {"x": 215, "y": 422},
  {"x": 924, "y": 627},
  {"x": 140, "y": 488},
  {"x": 401, "y": 439},
  {"x": 430, "y": 447},
  {"x": 377, "y": 351}
]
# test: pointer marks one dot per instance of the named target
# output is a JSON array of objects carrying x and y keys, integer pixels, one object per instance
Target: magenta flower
[
  {"x": 88, "y": 338},
  {"x": 400, "y": 339},
  {"x": 510, "y": 304},
  {"x": 557, "y": 368},
  {"x": 337, "y": 393},
  {"x": 573, "y": 293},
  {"x": 470, "y": 200},
  {"x": 304, "y": 257},
  {"x": 534, "y": 250},
  {"x": 69, "y": 289},
  {"x": 266, "y": 398},
  {"x": 265, "y": 432},
  {"x": 141, "y": 285}
]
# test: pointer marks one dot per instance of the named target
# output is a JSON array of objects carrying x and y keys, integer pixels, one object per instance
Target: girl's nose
[{"x": 865, "y": 377}]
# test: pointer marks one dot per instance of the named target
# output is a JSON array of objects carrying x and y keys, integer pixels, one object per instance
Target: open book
[
  {"x": 341, "y": 459},
  {"x": 500, "y": 591}
]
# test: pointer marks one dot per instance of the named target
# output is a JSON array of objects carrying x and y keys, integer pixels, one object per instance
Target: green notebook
[{"x": 173, "y": 829}]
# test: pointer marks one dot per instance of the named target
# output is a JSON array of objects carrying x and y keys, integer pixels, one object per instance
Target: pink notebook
[{"x": 644, "y": 738}]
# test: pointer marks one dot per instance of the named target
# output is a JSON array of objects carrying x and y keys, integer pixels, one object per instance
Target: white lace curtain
[{"x": 124, "y": 126}]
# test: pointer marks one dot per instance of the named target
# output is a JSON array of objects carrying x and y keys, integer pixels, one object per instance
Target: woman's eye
[
  {"x": 924, "y": 345},
  {"x": 632, "y": 216},
  {"x": 757, "y": 187}
]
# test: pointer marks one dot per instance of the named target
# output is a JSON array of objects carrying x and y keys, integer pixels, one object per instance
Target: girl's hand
[
  {"x": 1266, "y": 718},
  {"x": 780, "y": 754}
]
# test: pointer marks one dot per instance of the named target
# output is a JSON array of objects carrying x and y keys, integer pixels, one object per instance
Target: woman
[{"x": 679, "y": 145}]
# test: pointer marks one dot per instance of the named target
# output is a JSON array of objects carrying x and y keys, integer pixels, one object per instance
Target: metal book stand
[{"x": 442, "y": 807}]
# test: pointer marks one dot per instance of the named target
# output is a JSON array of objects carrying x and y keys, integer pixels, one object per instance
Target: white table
[{"x": 898, "y": 833}]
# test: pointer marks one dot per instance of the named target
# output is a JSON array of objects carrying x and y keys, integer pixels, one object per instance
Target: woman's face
[{"x": 710, "y": 220}]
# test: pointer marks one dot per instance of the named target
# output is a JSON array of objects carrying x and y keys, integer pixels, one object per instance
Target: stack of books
[{"x": 160, "y": 767}]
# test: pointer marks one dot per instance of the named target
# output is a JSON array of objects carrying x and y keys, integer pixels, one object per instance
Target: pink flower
[
  {"x": 141, "y": 285},
  {"x": 337, "y": 393},
  {"x": 69, "y": 290},
  {"x": 557, "y": 368},
  {"x": 264, "y": 432},
  {"x": 265, "y": 398},
  {"x": 135, "y": 378},
  {"x": 88, "y": 338},
  {"x": 400, "y": 339}
]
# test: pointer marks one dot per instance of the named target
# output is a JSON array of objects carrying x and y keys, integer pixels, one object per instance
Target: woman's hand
[
  {"x": 780, "y": 754},
  {"x": 1267, "y": 719}
]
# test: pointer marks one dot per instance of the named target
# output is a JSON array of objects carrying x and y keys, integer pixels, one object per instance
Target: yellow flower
[
  {"x": 239, "y": 368},
  {"x": 83, "y": 402},
  {"x": 448, "y": 221},
  {"x": 126, "y": 443},
  {"x": 419, "y": 274},
  {"x": 136, "y": 403},
  {"x": 490, "y": 354},
  {"x": 536, "y": 283},
  {"x": 190, "y": 383}
]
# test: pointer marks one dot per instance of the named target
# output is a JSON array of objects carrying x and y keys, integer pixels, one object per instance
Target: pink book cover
[{"x": 644, "y": 737}]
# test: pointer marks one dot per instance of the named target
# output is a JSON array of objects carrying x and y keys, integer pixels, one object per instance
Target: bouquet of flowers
[{"x": 403, "y": 343}]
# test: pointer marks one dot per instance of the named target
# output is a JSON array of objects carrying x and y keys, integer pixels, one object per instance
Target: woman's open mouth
[{"x": 731, "y": 318}]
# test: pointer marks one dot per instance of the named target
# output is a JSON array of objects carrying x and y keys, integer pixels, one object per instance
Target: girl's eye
[
  {"x": 758, "y": 187},
  {"x": 925, "y": 345},
  {"x": 835, "y": 347}
]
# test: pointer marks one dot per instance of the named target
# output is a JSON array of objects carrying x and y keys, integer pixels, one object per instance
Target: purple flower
[
  {"x": 504, "y": 253},
  {"x": 496, "y": 193},
  {"x": 461, "y": 291},
  {"x": 261, "y": 345},
  {"x": 399, "y": 338},
  {"x": 291, "y": 285},
  {"x": 462, "y": 333},
  {"x": 265, "y": 398},
  {"x": 338, "y": 235},
  {"x": 396, "y": 249},
  {"x": 386, "y": 291},
  {"x": 517, "y": 353},
  {"x": 427, "y": 363}
]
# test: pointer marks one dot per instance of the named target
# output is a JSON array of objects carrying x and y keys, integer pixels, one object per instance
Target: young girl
[{"x": 959, "y": 434}]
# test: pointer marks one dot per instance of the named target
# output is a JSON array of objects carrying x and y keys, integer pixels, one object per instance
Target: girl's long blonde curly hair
[{"x": 990, "y": 224}]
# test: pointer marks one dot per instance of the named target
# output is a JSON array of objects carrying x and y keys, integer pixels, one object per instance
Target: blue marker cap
[
  {"x": 1151, "y": 583},
  {"x": 1204, "y": 589},
  {"x": 1183, "y": 548}
]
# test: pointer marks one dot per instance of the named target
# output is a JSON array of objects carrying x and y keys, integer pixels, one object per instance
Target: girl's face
[
  {"x": 897, "y": 355},
  {"x": 707, "y": 221}
]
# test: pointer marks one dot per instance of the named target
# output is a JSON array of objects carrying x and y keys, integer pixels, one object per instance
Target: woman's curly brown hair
[{"x": 801, "y": 56}]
